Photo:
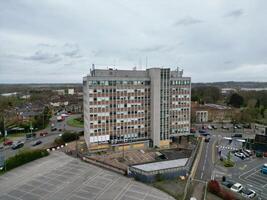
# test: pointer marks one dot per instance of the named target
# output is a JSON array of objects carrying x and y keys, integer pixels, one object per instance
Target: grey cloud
[
  {"x": 235, "y": 13},
  {"x": 44, "y": 57},
  {"x": 187, "y": 21},
  {"x": 71, "y": 50}
]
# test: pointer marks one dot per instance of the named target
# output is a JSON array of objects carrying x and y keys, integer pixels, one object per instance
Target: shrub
[
  {"x": 214, "y": 187},
  {"x": 25, "y": 157},
  {"x": 69, "y": 136},
  {"x": 228, "y": 163},
  {"x": 58, "y": 141}
]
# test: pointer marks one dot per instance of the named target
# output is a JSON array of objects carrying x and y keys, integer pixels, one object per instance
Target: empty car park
[{"x": 59, "y": 176}]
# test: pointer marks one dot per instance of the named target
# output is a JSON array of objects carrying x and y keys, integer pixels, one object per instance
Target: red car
[
  {"x": 43, "y": 133},
  {"x": 8, "y": 142}
]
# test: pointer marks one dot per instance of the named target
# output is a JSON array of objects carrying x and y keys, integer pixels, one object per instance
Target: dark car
[
  {"x": 214, "y": 127},
  {"x": 237, "y": 135},
  {"x": 43, "y": 133},
  {"x": 202, "y": 131},
  {"x": 247, "y": 126},
  {"x": 37, "y": 143},
  {"x": 228, "y": 184},
  {"x": 17, "y": 145},
  {"x": 53, "y": 129},
  {"x": 207, "y": 138}
]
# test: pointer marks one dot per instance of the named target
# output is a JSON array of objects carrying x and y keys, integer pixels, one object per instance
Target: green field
[{"x": 75, "y": 122}]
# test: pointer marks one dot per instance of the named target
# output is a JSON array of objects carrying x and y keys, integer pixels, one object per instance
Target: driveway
[{"x": 59, "y": 176}]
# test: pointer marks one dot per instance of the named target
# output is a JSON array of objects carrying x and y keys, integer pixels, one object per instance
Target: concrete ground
[{"x": 59, "y": 176}]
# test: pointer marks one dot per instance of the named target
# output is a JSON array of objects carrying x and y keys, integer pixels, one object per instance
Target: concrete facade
[{"x": 124, "y": 106}]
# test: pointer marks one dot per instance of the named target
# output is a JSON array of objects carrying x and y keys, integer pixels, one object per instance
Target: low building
[
  {"x": 71, "y": 91},
  {"x": 155, "y": 171},
  {"x": 211, "y": 113}
]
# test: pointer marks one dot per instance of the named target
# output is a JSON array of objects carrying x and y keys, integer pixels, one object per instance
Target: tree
[
  {"x": 214, "y": 187},
  {"x": 236, "y": 100}
]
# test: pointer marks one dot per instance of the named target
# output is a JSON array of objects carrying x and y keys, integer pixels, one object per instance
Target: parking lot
[
  {"x": 59, "y": 176},
  {"x": 255, "y": 180}
]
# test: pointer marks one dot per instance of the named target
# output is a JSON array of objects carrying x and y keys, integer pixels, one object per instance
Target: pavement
[{"x": 59, "y": 176}]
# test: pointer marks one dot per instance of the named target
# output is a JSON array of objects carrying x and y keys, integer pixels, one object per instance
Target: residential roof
[{"x": 162, "y": 165}]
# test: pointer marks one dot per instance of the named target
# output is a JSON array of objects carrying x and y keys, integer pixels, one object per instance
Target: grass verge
[{"x": 75, "y": 122}]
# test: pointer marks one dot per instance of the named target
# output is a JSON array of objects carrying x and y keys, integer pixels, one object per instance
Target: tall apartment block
[{"x": 135, "y": 106}]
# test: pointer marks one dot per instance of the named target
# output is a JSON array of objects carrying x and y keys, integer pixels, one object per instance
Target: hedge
[{"x": 24, "y": 157}]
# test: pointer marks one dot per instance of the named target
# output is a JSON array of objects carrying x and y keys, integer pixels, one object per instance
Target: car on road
[
  {"x": 43, "y": 134},
  {"x": 53, "y": 129},
  {"x": 237, "y": 187},
  {"x": 240, "y": 155},
  {"x": 264, "y": 169},
  {"x": 247, "y": 126},
  {"x": 37, "y": 142},
  {"x": 8, "y": 142},
  {"x": 17, "y": 145},
  {"x": 248, "y": 193},
  {"x": 228, "y": 184}
]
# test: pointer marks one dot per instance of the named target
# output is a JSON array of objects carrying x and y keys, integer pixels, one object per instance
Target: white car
[
  {"x": 248, "y": 193},
  {"x": 237, "y": 187},
  {"x": 240, "y": 155},
  {"x": 210, "y": 127}
]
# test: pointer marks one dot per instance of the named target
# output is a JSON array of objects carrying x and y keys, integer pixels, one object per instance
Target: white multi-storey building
[{"x": 133, "y": 105}]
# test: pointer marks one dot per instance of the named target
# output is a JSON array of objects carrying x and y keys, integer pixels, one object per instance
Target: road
[
  {"x": 8, "y": 152},
  {"x": 205, "y": 165}
]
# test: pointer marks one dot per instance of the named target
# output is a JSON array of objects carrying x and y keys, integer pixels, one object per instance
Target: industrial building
[{"x": 144, "y": 107}]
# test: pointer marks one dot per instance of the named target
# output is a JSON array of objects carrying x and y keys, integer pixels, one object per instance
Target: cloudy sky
[{"x": 58, "y": 40}]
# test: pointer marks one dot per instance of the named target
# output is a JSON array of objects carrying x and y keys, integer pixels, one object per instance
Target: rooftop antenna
[{"x": 146, "y": 62}]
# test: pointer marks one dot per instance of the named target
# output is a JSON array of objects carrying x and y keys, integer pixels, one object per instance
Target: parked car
[
  {"x": 239, "y": 135},
  {"x": 240, "y": 155},
  {"x": 214, "y": 127},
  {"x": 201, "y": 131},
  {"x": 53, "y": 129},
  {"x": 225, "y": 127},
  {"x": 207, "y": 138},
  {"x": 264, "y": 169},
  {"x": 245, "y": 153},
  {"x": 17, "y": 145},
  {"x": 1, "y": 146},
  {"x": 37, "y": 142},
  {"x": 248, "y": 193},
  {"x": 210, "y": 127},
  {"x": 238, "y": 126},
  {"x": 192, "y": 130},
  {"x": 43, "y": 133},
  {"x": 228, "y": 184},
  {"x": 246, "y": 126},
  {"x": 248, "y": 151},
  {"x": 8, "y": 142},
  {"x": 237, "y": 187}
]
